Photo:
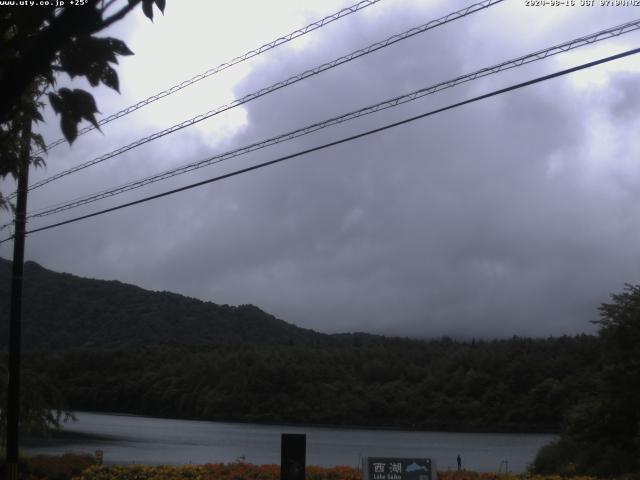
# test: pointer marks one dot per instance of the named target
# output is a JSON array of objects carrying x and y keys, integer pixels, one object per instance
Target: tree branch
[
  {"x": 109, "y": 3},
  {"x": 120, "y": 14}
]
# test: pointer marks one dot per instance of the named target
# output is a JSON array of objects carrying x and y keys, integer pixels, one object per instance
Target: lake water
[{"x": 135, "y": 439}]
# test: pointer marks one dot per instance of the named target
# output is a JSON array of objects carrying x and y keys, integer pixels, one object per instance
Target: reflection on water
[{"x": 132, "y": 439}]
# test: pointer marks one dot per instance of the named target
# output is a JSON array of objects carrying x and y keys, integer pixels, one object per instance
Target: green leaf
[
  {"x": 93, "y": 76},
  {"x": 37, "y": 139},
  {"x": 56, "y": 102},
  {"x": 37, "y": 117},
  {"x": 6, "y": 205},
  {"x": 90, "y": 57},
  {"x": 69, "y": 128},
  {"x": 38, "y": 162},
  {"x": 68, "y": 109},
  {"x": 86, "y": 55},
  {"x": 119, "y": 47},
  {"x": 84, "y": 105},
  {"x": 147, "y": 8},
  {"x": 110, "y": 78},
  {"x": 75, "y": 105}
]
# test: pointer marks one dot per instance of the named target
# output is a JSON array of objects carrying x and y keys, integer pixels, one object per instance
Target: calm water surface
[{"x": 134, "y": 439}]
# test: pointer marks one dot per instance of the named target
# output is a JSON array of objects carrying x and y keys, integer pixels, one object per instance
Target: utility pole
[{"x": 15, "y": 316}]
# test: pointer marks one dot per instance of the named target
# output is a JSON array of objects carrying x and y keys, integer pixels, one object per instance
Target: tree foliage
[
  {"x": 507, "y": 385},
  {"x": 43, "y": 406},
  {"x": 36, "y": 44},
  {"x": 602, "y": 433}
]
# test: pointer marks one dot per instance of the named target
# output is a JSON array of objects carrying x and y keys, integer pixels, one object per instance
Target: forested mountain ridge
[
  {"x": 108, "y": 346},
  {"x": 62, "y": 311}
]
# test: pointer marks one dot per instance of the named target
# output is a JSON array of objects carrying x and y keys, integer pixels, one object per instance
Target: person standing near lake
[{"x": 459, "y": 463}]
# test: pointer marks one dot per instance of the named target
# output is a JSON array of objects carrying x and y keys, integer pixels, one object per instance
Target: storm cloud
[{"x": 516, "y": 215}]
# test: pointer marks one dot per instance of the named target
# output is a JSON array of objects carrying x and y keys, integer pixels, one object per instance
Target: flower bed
[
  {"x": 245, "y": 471},
  {"x": 217, "y": 471}
]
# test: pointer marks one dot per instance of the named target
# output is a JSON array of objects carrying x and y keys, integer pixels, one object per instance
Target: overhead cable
[
  {"x": 338, "y": 142},
  {"x": 223, "y": 66},
  {"x": 393, "y": 102},
  {"x": 276, "y": 86}
]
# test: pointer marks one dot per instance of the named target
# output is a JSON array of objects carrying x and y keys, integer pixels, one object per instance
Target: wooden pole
[{"x": 15, "y": 316}]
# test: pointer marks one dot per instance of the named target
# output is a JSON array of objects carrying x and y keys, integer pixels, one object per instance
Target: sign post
[{"x": 293, "y": 456}]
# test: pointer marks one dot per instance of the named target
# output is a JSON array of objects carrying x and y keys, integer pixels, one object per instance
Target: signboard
[{"x": 379, "y": 468}]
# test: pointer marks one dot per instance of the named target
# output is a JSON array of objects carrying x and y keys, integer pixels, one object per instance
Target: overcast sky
[{"x": 517, "y": 215}]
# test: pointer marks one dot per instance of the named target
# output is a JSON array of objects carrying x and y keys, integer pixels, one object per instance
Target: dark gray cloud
[{"x": 511, "y": 216}]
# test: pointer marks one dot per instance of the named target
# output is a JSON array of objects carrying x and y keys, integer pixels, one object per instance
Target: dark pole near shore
[{"x": 15, "y": 316}]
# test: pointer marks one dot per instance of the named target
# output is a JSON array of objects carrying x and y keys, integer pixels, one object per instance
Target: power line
[
  {"x": 338, "y": 142},
  {"x": 223, "y": 66},
  {"x": 276, "y": 86},
  {"x": 390, "y": 103}
]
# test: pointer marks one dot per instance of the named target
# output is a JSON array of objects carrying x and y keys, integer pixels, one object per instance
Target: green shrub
[{"x": 558, "y": 458}]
